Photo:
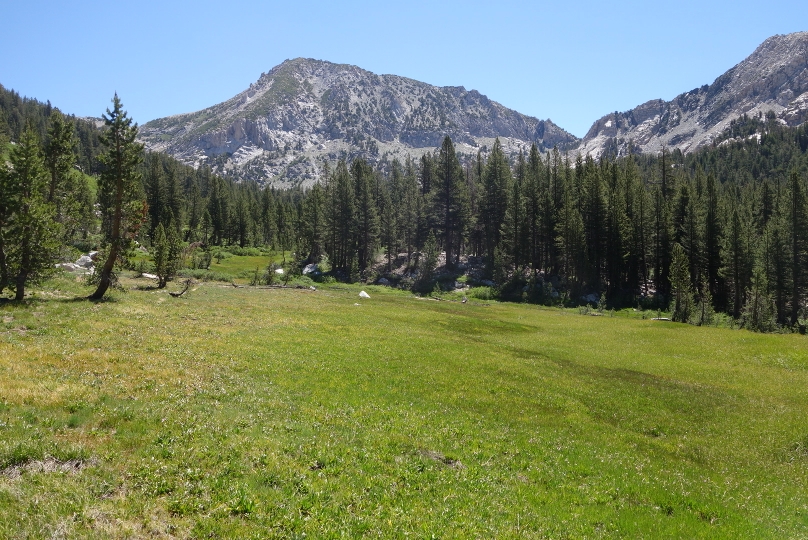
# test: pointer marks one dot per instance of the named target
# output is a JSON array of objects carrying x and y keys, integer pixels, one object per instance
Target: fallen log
[{"x": 187, "y": 285}]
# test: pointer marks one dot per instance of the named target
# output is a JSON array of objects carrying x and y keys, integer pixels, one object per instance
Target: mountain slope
[
  {"x": 303, "y": 111},
  {"x": 773, "y": 78}
]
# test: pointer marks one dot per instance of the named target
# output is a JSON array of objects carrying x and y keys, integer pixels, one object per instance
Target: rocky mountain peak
[
  {"x": 773, "y": 78},
  {"x": 304, "y": 111}
]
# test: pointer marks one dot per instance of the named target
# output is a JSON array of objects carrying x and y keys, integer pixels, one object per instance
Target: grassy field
[{"x": 260, "y": 413}]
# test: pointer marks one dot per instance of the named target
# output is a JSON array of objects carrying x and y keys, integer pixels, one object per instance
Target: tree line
[{"x": 723, "y": 229}]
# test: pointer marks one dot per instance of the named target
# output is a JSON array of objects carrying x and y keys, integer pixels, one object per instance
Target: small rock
[
  {"x": 279, "y": 270},
  {"x": 363, "y": 294},
  {"x": 383, "y": 281}
]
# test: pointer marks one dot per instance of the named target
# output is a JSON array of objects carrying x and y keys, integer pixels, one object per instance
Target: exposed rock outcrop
[
  {"x": 773, "y": 78},
  {"x": 303, "y": 111}
]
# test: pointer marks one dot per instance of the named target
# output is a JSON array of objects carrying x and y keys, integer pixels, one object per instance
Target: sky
[{"x": 571, "y": 62}]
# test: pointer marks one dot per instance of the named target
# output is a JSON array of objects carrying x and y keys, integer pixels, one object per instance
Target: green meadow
[{"x": 288, "y": 413}]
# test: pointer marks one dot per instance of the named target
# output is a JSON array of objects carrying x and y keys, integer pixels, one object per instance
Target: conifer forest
[{"x": 720, "y": 230}]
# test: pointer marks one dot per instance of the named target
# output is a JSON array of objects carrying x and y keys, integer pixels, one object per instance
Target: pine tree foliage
[
  {"x": 31, "y": 237},
  {"x": 120, "y": 190}
]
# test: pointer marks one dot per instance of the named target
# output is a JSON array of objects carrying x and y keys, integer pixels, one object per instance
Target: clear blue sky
[{"x": 572, "y": 62}]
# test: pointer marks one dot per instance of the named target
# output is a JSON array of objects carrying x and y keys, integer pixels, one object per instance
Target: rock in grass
[{"x": 363, "y": 294}]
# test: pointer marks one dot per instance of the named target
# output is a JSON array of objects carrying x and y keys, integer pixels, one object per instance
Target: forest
[{"x": 720, "y": 230}]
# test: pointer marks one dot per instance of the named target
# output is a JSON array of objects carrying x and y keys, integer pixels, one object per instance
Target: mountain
[
  {"x": 304, "y": 111},
  {"x": 773, "y": 78}
]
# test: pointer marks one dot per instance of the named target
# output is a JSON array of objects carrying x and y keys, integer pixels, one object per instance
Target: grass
[{"x": 256, "y": 413}]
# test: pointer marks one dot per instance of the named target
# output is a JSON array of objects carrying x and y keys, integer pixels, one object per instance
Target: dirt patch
[
  {"x": 20, "y": 330},
  {"x": 437, "y": 456},
  {"x": 48, "y": 465}
]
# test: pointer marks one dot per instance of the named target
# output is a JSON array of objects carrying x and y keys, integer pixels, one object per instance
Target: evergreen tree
[
  {"x": 737, "y": 254},
  {"x": 680, "y": 285},
  {"x": 533, "y": 208},
  {"x": 218, "y": 210},
  {"x": 314, "y": 223},
  {"x": 799, "y": 243},
  {"x": 497, "y": 183},
  {"x": 572, "y": 244},
  {"x": 594, "y": 215},
  {"x": 451, "y": 201},
  {"x": 388, "y": 221},
  {"x": 514, "y": 226},
  {"x": 759, "y": 311},
  {"x": 712, "y": 242},
  {"x": 195, "y": 209},
  {"x": 31, "y": 232},
  {"x": 119, "y": 188},
  {"x": 366, "y": 220},
  {"x": 59, "y": 156},
  {"x": 409, "y": 208}
]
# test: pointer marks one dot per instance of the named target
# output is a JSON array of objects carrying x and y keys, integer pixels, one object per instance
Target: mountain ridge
[
  {"x": 305, "y": 110},
  {"x": 774, "y": 78}
]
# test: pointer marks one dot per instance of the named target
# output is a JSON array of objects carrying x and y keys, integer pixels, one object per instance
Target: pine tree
[
  {"x": 31, "y": 232},
  {"x": 366, "y": 220},
  {"x": 712, "y": 242},
  {"x": 195, "y": 210},
  {"x": 572, "y": 244},
  {"x": 798, "y": 230},
  {"x": 409, "y": 204},
  {"x": 680, "y": 285},
  {"x": 340, "y": 216},
  {"x": 514, "y": 226},
  {"x": 119, "y": 189},
  {"x": 759, "y": 312},
  {"x": 388, "y": 222},
  {"x": 59, "y": 155},
  {"x": 160, "y": 254},
  {"x": 594, "y": 216},
  {"x": 737, "y": 253},
  {"x": 532, "y": 197},
  {"x": 218, "y": 210},
  {"x": 497, "y": 183},
  {"x": 314, "y": 223},
  {"x": 450, "y": 201}
]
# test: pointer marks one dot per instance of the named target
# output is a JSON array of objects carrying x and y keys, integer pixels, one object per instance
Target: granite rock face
[
  {"x": 773, "y": 78},
  {"x": 303, "y": 111}
]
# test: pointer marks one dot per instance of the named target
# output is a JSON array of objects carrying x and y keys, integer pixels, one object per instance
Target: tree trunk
[
  {"x": 4, "y": 277},
  {"x": 22, "y": 277}
]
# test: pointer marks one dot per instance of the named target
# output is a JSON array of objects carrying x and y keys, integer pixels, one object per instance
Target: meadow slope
[{"x": 254, "y": 413}]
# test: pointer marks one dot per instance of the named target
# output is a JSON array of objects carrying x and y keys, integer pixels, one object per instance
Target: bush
[
  {"x": 244, "y": 251},
  {"x": 481, "y": 293},
  {"x": 204, "y": 275}
]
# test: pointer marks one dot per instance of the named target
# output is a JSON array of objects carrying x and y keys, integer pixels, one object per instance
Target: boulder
[
  {"x": 310, "y": 269},
  {"x": 363, "y": 294},
  {"x": 85, "y": 261},
  {"x": 383, "y": 281}
]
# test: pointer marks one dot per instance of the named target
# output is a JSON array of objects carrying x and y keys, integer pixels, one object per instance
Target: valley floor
[{"x": 253, "y": 413}]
